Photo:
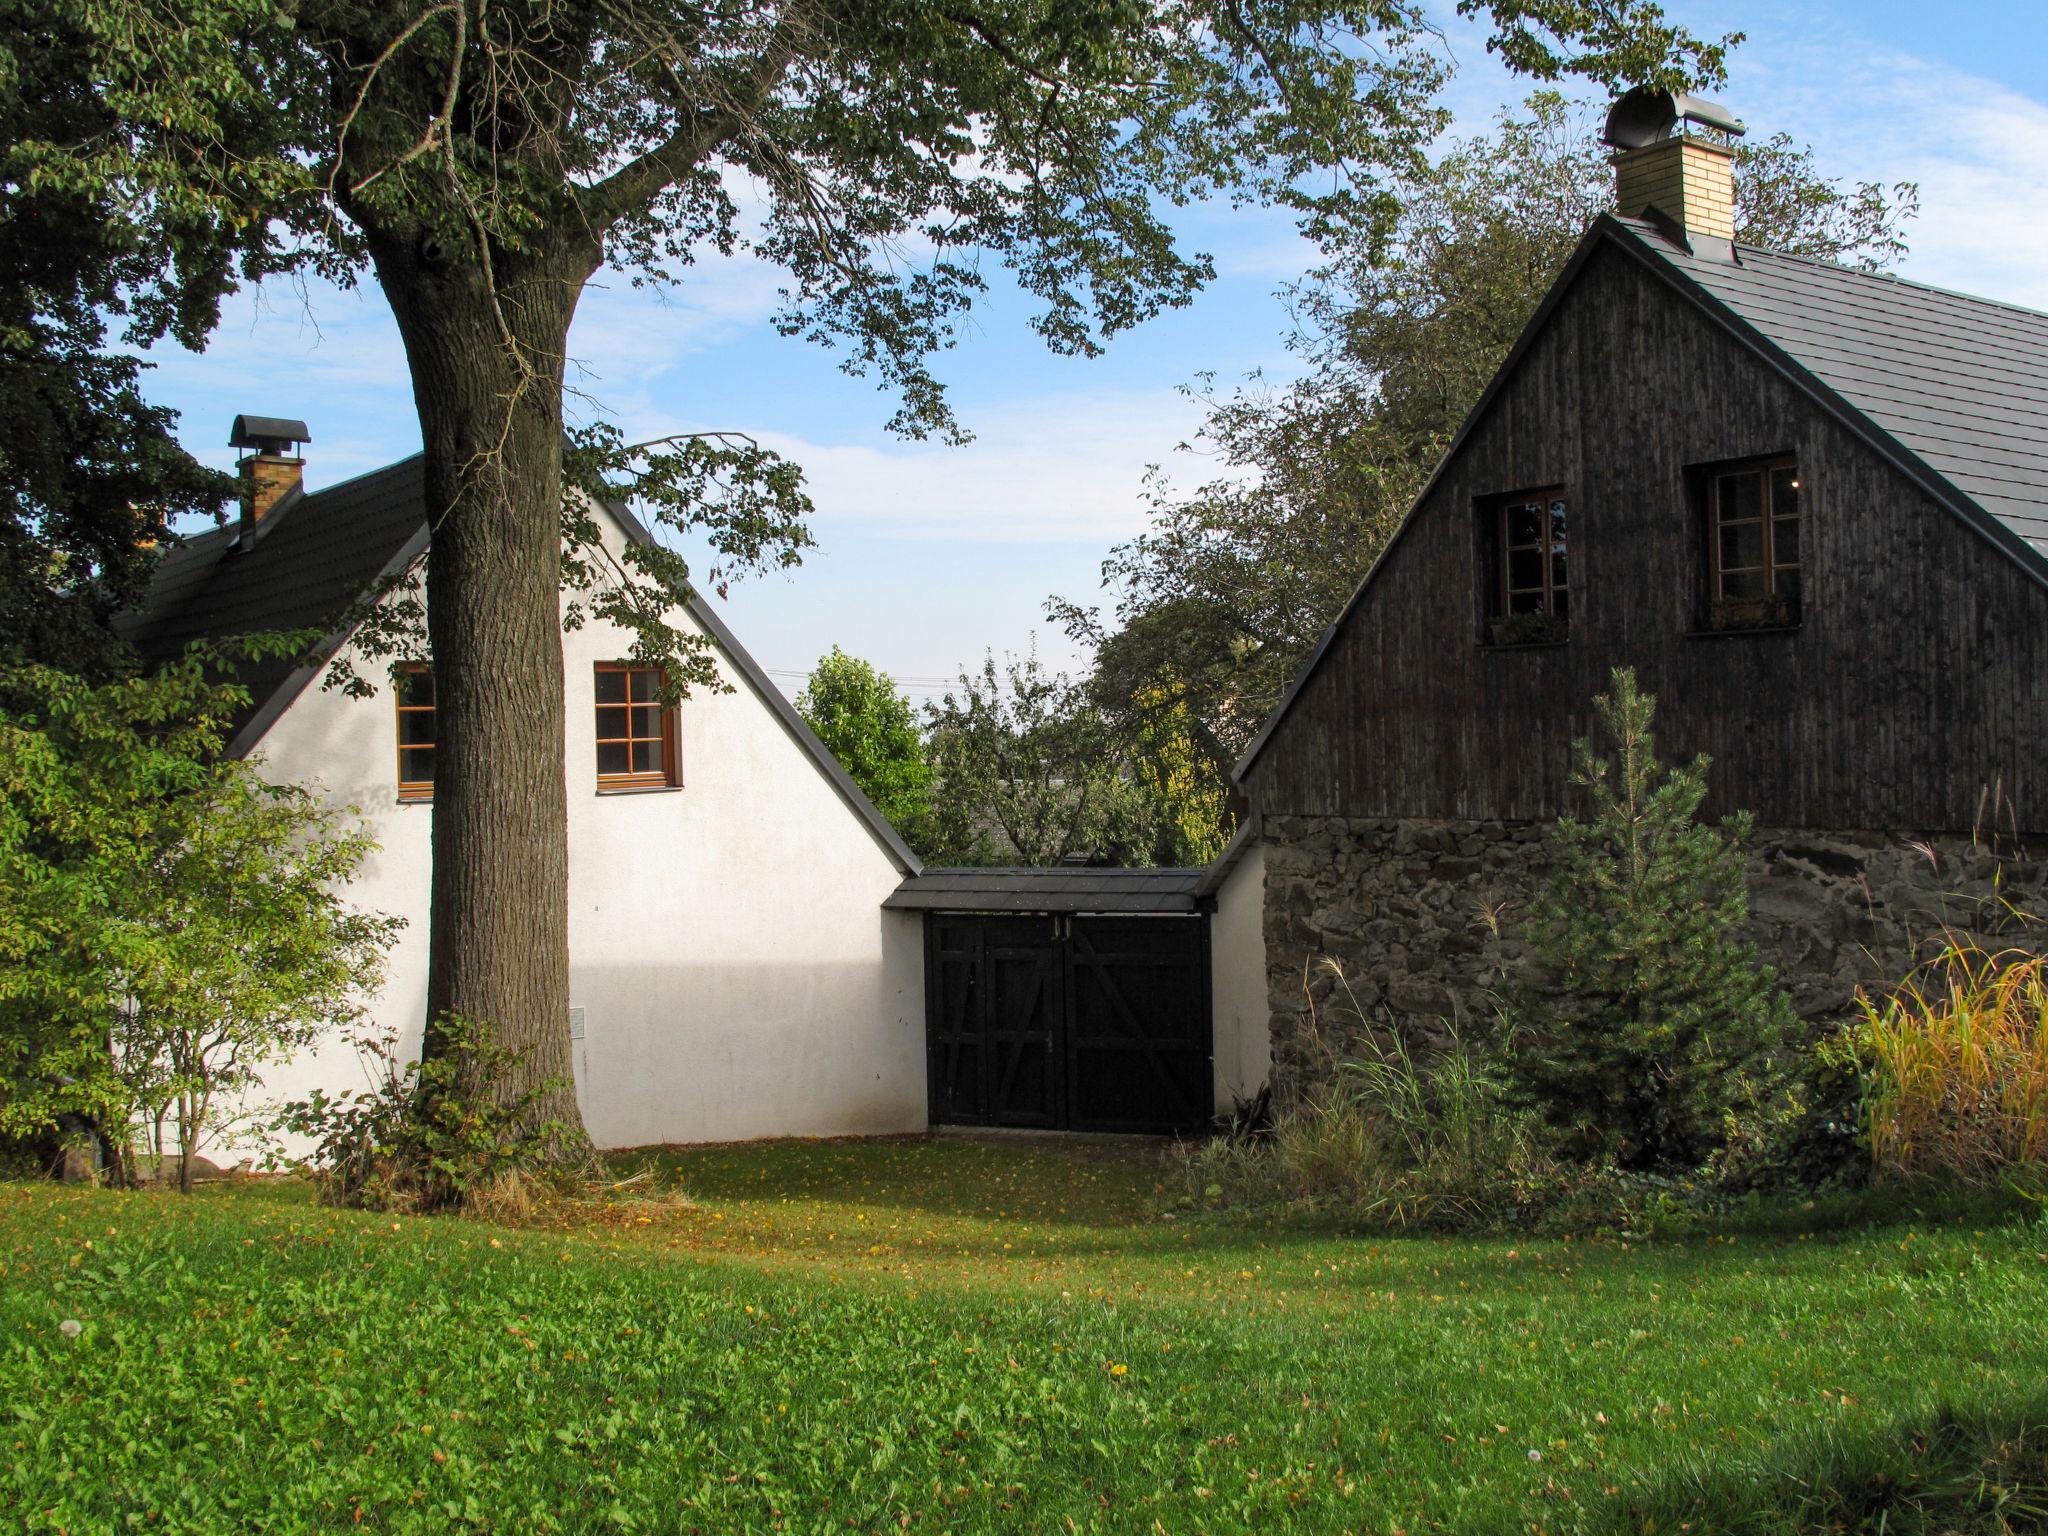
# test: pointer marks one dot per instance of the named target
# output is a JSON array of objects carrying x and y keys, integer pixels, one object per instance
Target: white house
[{"x": 747, "y": 933}]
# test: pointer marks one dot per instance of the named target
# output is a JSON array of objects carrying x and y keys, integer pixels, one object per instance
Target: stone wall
[{"x": 1423, "y": 917}]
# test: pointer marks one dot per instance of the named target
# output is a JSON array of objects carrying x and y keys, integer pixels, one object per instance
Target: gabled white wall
[
  {"x": 1237, "y": 971},
  {"x": 727, "y": 944}
]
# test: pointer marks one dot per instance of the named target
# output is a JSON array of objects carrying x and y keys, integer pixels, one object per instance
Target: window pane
[
  {"x": 1785, "y": 541},
  {"x": 1785, "y": 491},
  {"x": 416, "y": 687},
  {"x": 1561, "y": 604},
  {"x": 416, "y": 727},
  {"x": 611, "y": 686},
  {"x": 1742, "y": 495},
  {"x": 1525, "y": 602},
  {"x": 1525, "y": 570},
  {"x": 647, "y": 757},
  {"x": 1742, "y": 584},
  {"x": 1788, "y": 585},
  {"x": 1742, "y": 546},
  {"x": 611, "y": 722},
  {"x": 1557, "y": 578},
  {"x": 415, "y": 765},
  {"x": 614, "y": 757},
  {"x": 646, "y": 720},
  {"x": 1557, "y": 523},
  {"x": 1525, "y": 523},
  {"x": 646, "y": 683}
]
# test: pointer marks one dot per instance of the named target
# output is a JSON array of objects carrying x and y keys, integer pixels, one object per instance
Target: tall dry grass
[{"x": 1955, "y": 1066}]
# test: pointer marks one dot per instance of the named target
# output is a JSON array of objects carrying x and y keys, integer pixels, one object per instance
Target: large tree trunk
[{"x": 487, "y": 380}]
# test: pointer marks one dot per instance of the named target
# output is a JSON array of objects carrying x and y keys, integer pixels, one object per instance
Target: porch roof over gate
[{"x": 1051, "y": 890}]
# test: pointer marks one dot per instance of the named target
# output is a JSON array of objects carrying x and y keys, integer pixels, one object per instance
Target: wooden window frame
[
  {"x": 669, "y": 775},
  {"x": 1544, "y": 624},
  {"x": 414, "y": 791},
  {"x": 1773, "y": 609}
]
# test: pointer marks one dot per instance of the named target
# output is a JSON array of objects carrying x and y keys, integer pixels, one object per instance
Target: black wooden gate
[{"x": 1085, "y": 1023}]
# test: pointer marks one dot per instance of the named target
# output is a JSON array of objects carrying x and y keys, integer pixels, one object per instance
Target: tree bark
[{"x": 487, "y": 361}]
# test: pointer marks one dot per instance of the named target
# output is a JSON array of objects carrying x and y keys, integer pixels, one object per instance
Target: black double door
[{"x": 1068, "y": 1023}]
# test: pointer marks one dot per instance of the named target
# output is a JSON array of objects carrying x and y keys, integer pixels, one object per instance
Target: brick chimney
[
  {"x": 272, "y": 469},
  {"x": 1675, "y": 160}
]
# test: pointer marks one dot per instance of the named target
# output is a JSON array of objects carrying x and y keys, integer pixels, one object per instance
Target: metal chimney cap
[
  {"x": 1646, "y": 115},
  {"x": 268, "y": 434}
]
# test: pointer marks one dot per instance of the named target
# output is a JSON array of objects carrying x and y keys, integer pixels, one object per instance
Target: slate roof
[
  {"x": 314, "y": 555},
  {"x": 1051, "y": 890},
  {"x": 1960, "y": 382}
]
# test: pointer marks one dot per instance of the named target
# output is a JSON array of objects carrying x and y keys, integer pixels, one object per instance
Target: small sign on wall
[{"x": 575, "y": 1023}]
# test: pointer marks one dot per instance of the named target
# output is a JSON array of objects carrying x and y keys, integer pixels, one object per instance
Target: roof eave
[{"x": 890, "y": 840}]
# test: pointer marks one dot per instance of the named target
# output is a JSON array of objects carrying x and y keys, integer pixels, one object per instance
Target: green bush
[
  {"x": 1653, "y": 1033},
  {"x": 430, "y": 1136}
]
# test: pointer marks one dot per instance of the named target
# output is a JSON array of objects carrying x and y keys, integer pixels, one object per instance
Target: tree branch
[{"x": 636, "y": 184}]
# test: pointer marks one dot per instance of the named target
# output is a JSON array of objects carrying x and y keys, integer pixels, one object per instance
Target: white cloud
[
  {"x": 1978, "y": 151},
  {"x": 1053, "y": 468}
]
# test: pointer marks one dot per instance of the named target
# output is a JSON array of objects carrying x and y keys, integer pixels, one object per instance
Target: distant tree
[
  {"x": 1655, "y": 1021},
  {"x": 168, "y": 921},
  {"x": 1029, "y": 772},
  {"x": 1222, "y": 598},
  {"x": 873, "y": 731},
  {"x": 105, "y": 246}
]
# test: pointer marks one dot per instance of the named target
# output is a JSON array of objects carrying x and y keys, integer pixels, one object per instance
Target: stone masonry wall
[{"x": 1423, "y": 917}]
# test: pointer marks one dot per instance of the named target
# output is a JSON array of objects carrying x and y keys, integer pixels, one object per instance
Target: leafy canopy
[
  {"x": 880, "y": 155},
  {"x": 168, "y": 921},
  {"x": 871, "y": 728},
  {"x": 1029, "y": 772}
]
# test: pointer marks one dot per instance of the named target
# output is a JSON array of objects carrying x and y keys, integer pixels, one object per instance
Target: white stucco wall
[
  {"x": 1237, "y": 977},
  {"x": 727, "y": 944}
]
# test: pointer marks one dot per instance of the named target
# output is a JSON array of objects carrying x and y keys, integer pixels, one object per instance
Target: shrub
[
  {"x": 430, "y": 1135},
  {"x": 1656, "y": 1027},
  {"x": 1954, "y": 1066}
]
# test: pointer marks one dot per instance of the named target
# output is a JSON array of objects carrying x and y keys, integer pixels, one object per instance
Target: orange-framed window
[
  {"x": 636, "y": 733},
  {"x": 413, "y": 683}
]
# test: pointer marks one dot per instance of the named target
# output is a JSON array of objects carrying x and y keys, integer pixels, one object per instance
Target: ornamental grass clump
[
  {"x": 1954, "y": 1065},
  {"x": 1383, "y": 1135}
]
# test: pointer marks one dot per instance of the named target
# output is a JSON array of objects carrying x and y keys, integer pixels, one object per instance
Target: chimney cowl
[
  {"x": 1646, "y": 115},
  {"x": 272, "y": 471}
]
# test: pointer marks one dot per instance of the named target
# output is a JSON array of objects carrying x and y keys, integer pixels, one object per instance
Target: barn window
[
  {"x": 413, "y": 683},
  {"x": 1753, "y": 545},
  {"x": 636, "y": 737},
  {"x": 1531, "y": 592}
]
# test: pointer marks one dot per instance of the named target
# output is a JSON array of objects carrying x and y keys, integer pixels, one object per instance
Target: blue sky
[{"x": 927, "y": 554}]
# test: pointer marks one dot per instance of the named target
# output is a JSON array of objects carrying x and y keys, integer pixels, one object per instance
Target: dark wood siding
[{"x": 1918, "y": 677}]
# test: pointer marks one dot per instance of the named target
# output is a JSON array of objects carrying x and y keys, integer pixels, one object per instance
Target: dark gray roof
[
  {"x": 314, "y": 555},
  {"x": 1953, "y": 390},
  {"x": 1051, "y": 890},
  {"x": 1960, "y": 382}
]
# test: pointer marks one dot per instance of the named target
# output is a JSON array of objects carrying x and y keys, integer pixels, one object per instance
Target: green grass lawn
[{"x": 948, "y": 1336}]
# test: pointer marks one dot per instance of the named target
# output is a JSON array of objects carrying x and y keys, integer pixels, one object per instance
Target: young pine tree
[{"x": 1656, "y": 1022}]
